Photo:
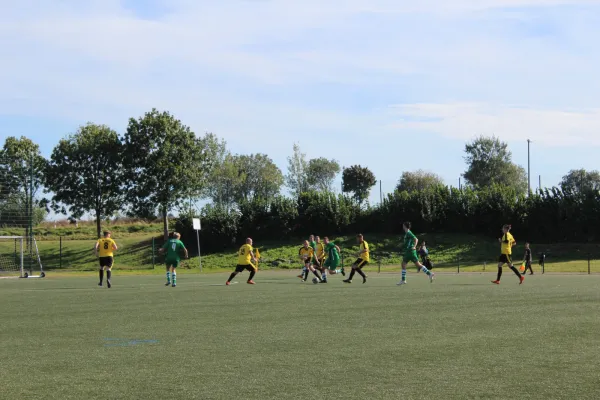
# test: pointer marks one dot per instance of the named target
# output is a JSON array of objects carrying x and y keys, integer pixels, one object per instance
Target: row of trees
[{"x": 159, "y": 165}]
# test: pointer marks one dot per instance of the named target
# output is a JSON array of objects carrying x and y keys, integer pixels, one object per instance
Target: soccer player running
[
  {"x": 320, "y": 258},
  {"x": 332, "y": 260},
  {"x": 307, "y": 255},
  {"x": 104, "y": 250},
  {"x": 507, "y": 241},
  {"x": 245, "y": 259},
  {"x": 173, "y": 248},
  {"x": 410, "y": 254},
  {"x": 363, "y": 259},
  {"x": 313, "y": 244}
]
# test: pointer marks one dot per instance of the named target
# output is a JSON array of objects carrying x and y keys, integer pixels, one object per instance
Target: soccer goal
[{"x": 20, "y": 257}]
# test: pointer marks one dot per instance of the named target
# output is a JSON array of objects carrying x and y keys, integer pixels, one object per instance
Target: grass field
[{"x": 458, "y": 338}]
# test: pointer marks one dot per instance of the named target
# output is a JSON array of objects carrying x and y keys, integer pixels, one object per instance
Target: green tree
[
  {"x": 85, "y": 173},
  {"x": 412, "y": 181},
  {"x": 580, "y": 181},
  {"x": 321, "y": 174},
  {"x": 358, "y": 181},
  {"x": 489, "y": 162},
  {"x": 166, "y": 164},
  {"x": 21, "y": 178},
  {"x": 227, "y": 183},
  {"x": 263, "y": 178},
  {"x": 297, "y": 178}
]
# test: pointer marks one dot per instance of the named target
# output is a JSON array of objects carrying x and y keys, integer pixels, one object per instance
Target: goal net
[
  {"x": 21, "y": 210},
  {"x": 19, "y": 256}
]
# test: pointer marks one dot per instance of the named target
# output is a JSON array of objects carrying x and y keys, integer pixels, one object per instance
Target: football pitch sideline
[{"x": 458, "y": 338}]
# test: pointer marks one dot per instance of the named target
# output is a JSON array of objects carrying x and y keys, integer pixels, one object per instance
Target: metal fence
[{"x": 133, "y": 254}]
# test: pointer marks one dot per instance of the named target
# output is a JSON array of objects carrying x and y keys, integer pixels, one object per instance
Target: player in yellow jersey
[
  {"x": 307, "y": 254},
  {"x": 245, "y": 261},
  {"x": 507, "y": 241},
  {"x": 363, "y": 259},
  {"x": 104, "y": 249}
]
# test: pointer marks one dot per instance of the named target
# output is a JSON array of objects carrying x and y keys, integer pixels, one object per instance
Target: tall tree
[
  {"x": 85, "y": 173},
  {"x": 297, "y": 179},
  {"x": 321, "y": 174},
  {"x": 490, "y": 162},
  {"x": 580, "y": 181},
  {"x": 412, "y": 181},
  {"x": 227, "y": 182},
  {"x": 263, "y": 178},
  {"x": 165, "y": 164},
  {"x": 358, "y": 181},
  {"x": 21, "y": 178}
]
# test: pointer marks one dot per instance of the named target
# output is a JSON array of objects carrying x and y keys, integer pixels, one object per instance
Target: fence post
[
  {"x": 379, "y": 266},
  {"x": 484, "y": 263},
  {"x": 153, "y": 252},
  {"x": 589, "y": 264},
  {"x": 458, "y": 266},
  {"x": 60, "y": 251}
]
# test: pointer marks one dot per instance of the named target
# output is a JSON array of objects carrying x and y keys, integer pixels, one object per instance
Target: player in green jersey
[
  {"x": 410, "y": 254},
  {"x": 173, "y": 248},
  {"x": 332, "y": 262}
]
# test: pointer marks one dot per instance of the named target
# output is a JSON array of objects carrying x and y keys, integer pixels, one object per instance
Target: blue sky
[{"x": 389, "y": 84}]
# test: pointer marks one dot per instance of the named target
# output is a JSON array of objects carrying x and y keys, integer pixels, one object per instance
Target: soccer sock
[
  {"x": 101, "y": 275},
  {"x": 317, "y": 274},
  {"x": 359, "y": 271},
  {"x": 403, "y": 275},
  {"x": 516, "y": 271},
  {"x": 499, "y": 273},
  {"x": 352, "y": 274},
  {"x": 305, "y": 277},
  {"x": 168, "y": 277},
  {"x": 251, "y": 275},
  {"x": 338, "y": 271},
  {"x": 424, "y": 269},
  {"x": 324, "y": 275},
  {"x": 108, "y": 275},
  {"x": 233, "y": 274},
  {"x": 174, "y": 277}
]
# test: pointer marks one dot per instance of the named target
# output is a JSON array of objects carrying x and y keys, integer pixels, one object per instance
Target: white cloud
[{"x": 465, "y": 121}]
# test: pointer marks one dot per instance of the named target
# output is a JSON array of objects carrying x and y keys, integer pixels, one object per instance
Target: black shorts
[
  {"x": 106, "y": 262},
  {"x": 360, "y": 263},
  {"x": 241, "y": 268},
  {"x": 505, "y": 259}
]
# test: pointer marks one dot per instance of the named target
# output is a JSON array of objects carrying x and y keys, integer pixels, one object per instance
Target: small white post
[
  {"x": 196, "y": 223},
  {"x": 22, "y": 259}
]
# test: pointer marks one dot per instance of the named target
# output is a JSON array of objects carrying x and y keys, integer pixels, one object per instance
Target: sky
[{"x": 393, "y": 85}]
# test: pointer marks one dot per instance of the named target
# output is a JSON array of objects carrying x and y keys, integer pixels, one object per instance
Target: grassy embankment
[{"x": 448, "y": 251}]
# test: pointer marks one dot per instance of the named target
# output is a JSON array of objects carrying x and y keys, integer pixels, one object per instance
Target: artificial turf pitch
[{"x": 458, "y": 338}]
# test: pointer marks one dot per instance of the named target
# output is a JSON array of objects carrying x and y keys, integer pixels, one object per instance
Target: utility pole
[{"x": 528, "y": 169}]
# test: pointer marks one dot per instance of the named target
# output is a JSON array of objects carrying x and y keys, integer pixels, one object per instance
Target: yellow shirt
[
  {"x": 106, "y": 247},
  {"x": 306, "y": 253},
  {"x": 364, "y": 256},
  {"x": 320, "y": 251},
  {"x": 507, "y": 244},
  {"x": 245, "y": 255}
]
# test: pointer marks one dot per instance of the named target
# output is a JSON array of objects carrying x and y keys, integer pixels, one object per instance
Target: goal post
[{"x": 19, "y": 257}]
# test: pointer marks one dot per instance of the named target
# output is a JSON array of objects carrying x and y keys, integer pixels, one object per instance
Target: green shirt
[
  {"x": 410, "y": 241},
  {"x": 332, "y": 251},
  {"x": 313, "y": 244},
  {"x": 173, "y": 247}
]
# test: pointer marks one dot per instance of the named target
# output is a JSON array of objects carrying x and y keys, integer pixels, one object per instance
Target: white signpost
[{"x": 196, "y": 223}]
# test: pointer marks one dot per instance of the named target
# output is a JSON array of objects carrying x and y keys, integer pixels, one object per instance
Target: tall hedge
[{"x": 548, "y": 216}]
